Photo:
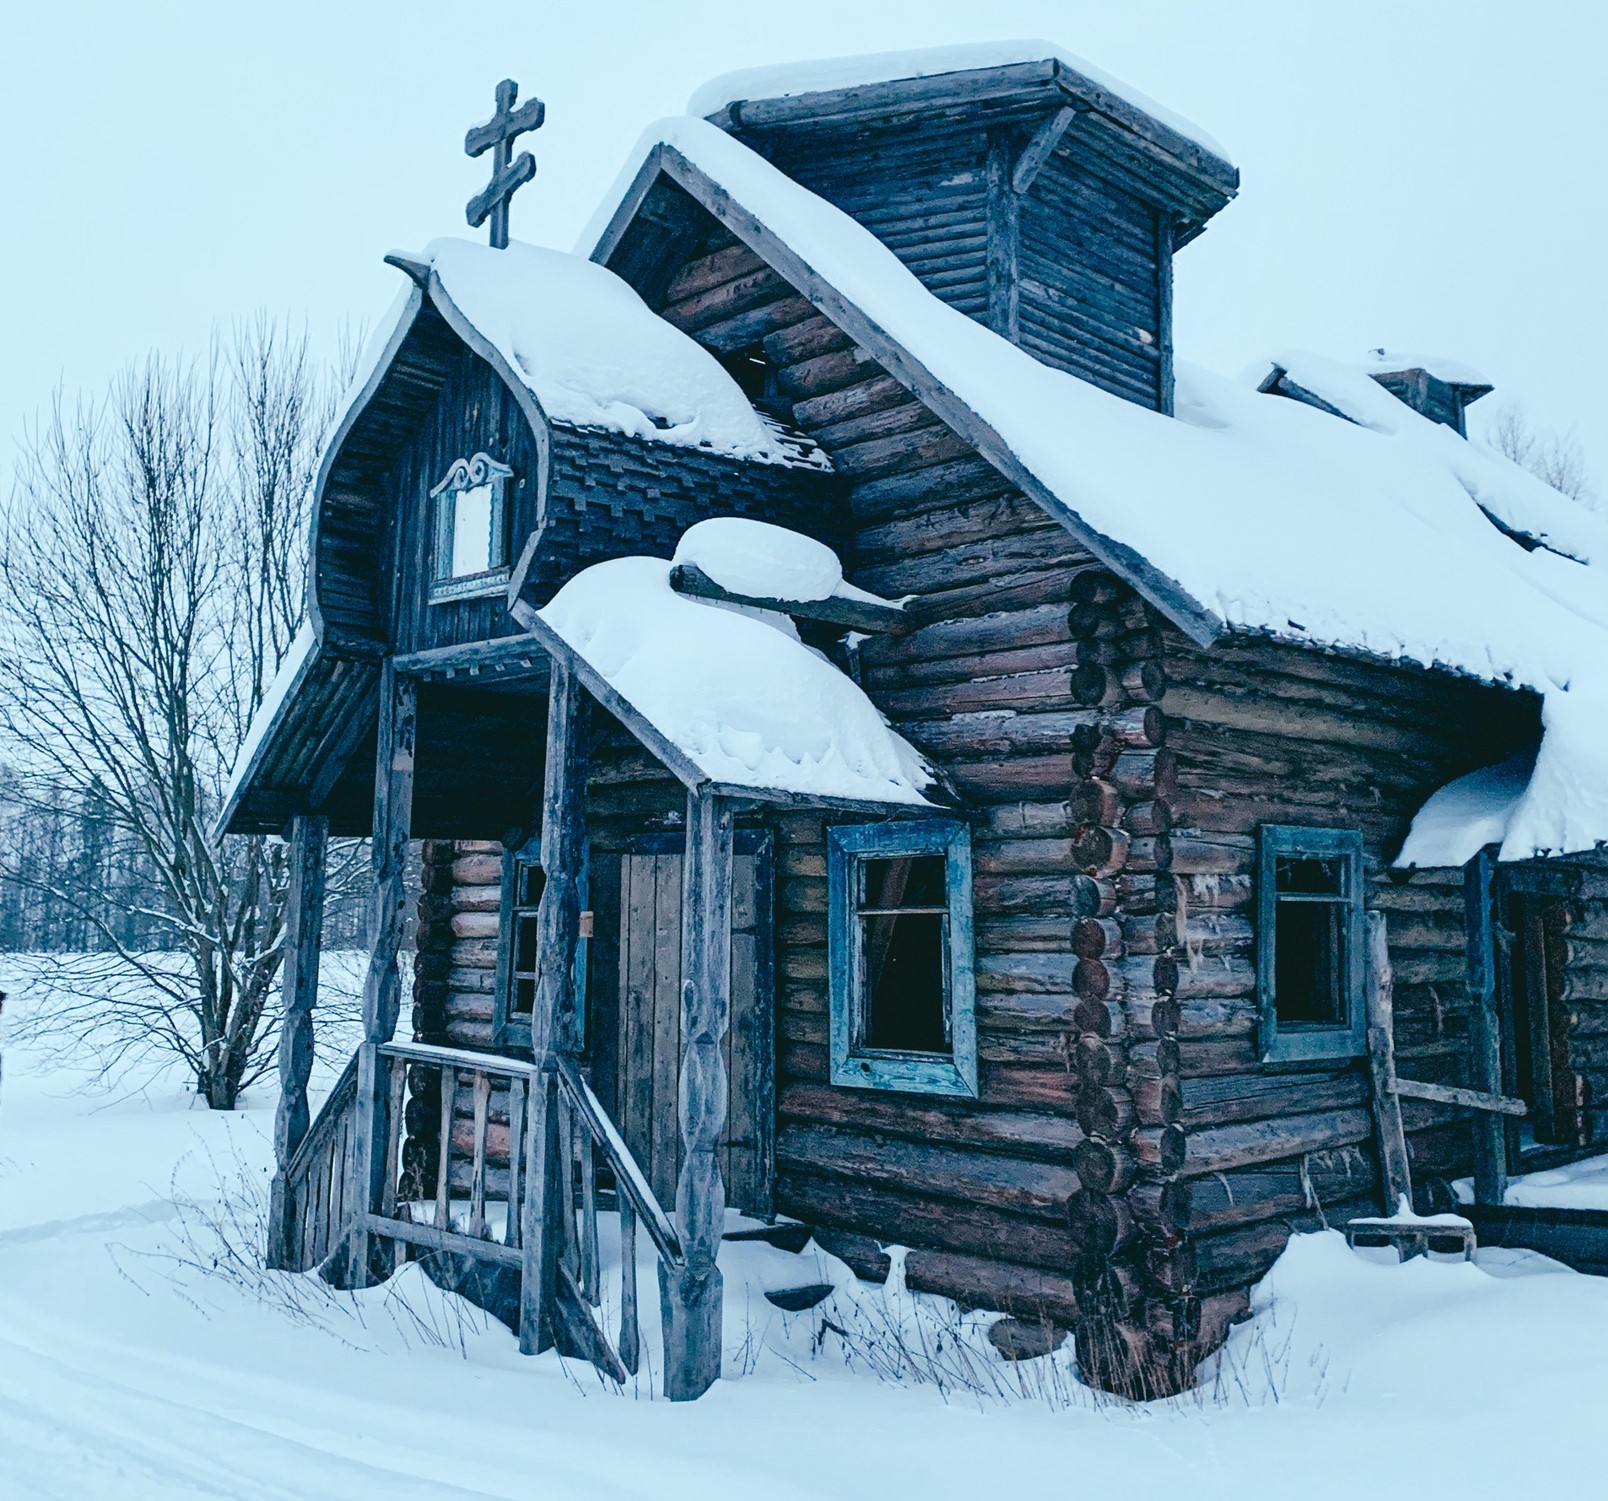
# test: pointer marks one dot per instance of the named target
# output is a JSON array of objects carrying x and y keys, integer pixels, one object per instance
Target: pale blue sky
[{"x": 1426, "y": 175}]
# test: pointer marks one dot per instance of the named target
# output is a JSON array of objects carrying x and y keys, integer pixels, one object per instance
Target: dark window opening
[
  {"x": 1309, "y": 944},
  {"x": 1309, "y": 941},
  {"x": 900, "y": 964},
  {"x": 755, "y": 374},
  {"x": 529, "y": 881},
  {"x": 904, "y": 937}
]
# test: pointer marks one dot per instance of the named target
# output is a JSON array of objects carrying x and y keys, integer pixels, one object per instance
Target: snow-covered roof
[
  {"x": 1508, "y": 492},
  {"x": 593, "y": 353},
  {"x": 1365, "y": 535},
  {"x": 1453, "y": 372},
  {"x": 789, "y": 80},
  {"x": 275, "y": 702},
  {"x": 734, "y": 690}
]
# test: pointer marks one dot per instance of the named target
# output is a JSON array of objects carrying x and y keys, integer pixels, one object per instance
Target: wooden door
[
  {"x": 1536, "y": 1065},
  {"x": 647, "y": 1045}
]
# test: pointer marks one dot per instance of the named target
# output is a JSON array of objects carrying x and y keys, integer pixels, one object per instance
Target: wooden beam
[
  {"x": 1393, "y": 1168},
  {"x": 1164, "y": 314},
  {"x": 1004, "y": 236},
  {"x": 382, "y": 986},
  {"x": 500, "y": 651},
  {"x": 1484, "y": 1024},
  {"x": 1472, "y": 1099},
  {"x": 1041, "y": 148},
  {"x": 692, "y": 1293},
  {"x": 552, "y": 1022},
  {"x": 851, "y": 614},
  {"x": 304, "y": 925}
]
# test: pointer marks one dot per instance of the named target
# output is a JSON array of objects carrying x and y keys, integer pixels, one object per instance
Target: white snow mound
[{"x": 747, "y": 703}]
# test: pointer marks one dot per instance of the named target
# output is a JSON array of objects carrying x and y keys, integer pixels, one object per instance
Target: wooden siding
[
  {"x": 1094, "y": 269},
  {"x": 922, "y": 192},
  {"x": 1076, "y": 268}
]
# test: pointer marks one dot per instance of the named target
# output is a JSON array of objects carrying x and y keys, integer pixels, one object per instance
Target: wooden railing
[
  {"x": 318, "y": 1210},
  {"x": 585, "y": 1135},
  {"x": 471, "y": 1205}
]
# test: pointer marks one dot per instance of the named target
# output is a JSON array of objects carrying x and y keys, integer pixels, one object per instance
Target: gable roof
[{"x": 1243, "y": 512}]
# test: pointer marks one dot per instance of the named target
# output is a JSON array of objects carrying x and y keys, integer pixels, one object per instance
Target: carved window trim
[
  {"x": 853, "y": 1063},
  {"x": 466, "y": 475}
]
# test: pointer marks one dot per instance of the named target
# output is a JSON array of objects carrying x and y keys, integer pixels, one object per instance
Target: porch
[{"x": 496, "y": 1158}]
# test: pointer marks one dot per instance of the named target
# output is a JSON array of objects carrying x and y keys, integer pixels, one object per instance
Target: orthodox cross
[{"x": 497, "y": 135}]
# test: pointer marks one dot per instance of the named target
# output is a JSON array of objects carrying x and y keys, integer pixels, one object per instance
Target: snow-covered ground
[{"x": 131, "y": 1366}]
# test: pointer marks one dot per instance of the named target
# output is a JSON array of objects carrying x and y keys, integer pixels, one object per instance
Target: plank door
[
  {"x": 648, "y": 1053},
  {"x": 1536, "y": 1026}
]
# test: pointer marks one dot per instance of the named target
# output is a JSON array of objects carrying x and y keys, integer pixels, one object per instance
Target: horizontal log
[
  {"x": 1217, "y": 1149},
  {"x": 923, "y": 1168}
]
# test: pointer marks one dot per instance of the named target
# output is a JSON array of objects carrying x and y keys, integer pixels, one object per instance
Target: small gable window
[
  {"x": 470, "y": 554},
  {"x": 900, "y": 956},
  {"x": 1309, "y": 956},
  {"x": 523, "y": 882}
]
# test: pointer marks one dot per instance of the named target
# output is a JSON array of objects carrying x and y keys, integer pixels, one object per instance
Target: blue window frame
[
  {"x": 899, "y": 938},
  {"x": 1309, "y": 944},
  {"x": 523, "y": 881}
]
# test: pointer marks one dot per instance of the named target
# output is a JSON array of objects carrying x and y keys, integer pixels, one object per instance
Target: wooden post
[
  {"x": 1004, "y": 236},
  {"x": 1484, "y": 1025},
  {"x": 382, "y": 987},
  {"x": 552, "y": 1022},
  {"x": 692, "y": 1293},
  {"x": 1393, "y": 1168},
  {"x": 308, "y": 837}
]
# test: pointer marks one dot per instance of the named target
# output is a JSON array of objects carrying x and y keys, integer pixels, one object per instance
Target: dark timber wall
[
  {"x": 1076, "y": 268},
  {"x": 1262, "y": 733}
]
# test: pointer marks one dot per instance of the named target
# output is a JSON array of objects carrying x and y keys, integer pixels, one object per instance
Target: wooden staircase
[{"x": 526, "y": 1252}]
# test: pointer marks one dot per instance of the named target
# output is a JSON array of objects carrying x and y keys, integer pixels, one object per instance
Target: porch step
[
  {"x": 785, "y": 1237},
  {"x": 797, "y": 1299}
]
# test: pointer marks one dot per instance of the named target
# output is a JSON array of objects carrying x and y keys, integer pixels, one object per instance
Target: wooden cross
[{"x": 497, "y": 135}]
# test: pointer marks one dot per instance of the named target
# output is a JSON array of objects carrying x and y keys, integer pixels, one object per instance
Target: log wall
[{"x": 1266, "y": 733}]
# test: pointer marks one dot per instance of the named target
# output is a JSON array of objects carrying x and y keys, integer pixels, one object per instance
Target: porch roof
[{"x": 730, "y": 700}]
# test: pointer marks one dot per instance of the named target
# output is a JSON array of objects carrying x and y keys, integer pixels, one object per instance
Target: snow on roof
[
  {"x": 297, "y": 657},
  {"x": 1507, "y": 491},
  {"x": 1466, "y": 815},
  {"x": 736, "y": 692},
  {"x": 767, "y": 562},
  {"x": 788, "y": 80},
  {"x": 1365, "y": 535},
  {"x": 1453, "y": 372},
  {"x": 592, "y": 352}
]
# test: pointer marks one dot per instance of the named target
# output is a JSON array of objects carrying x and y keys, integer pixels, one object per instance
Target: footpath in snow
[{"x": 131, "y": 1366}]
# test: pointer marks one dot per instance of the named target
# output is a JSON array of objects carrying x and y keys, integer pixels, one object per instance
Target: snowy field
[{"x": 144, "y": 1354}]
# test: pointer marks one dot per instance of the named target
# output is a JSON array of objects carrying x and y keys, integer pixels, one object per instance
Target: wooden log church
[{"x": 894, "y": 756}]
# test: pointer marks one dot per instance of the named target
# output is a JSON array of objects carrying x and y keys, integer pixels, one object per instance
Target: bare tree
[
  {"x": 1555, "y": 458},
  {"x": 152, "y": 577}
]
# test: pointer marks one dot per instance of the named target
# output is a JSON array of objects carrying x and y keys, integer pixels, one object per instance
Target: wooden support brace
[
  {"x": 1484, "y": 1026},
  {"x": 308, "y": 837},
  {"x": 692, "y": 1293},
  {"x": 1397, "y": 1180},
  {"x": 1041, "y": 147}
]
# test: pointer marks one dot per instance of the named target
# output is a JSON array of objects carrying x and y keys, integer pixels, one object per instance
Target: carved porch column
[{"x": 692, "y": 1293}]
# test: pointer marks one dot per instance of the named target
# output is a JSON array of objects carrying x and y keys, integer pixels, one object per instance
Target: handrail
[
  {"x": 627, "y": 1175},
  {"x": 325, "y": 1123},
  {"x": 459, "y": 1058}
]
